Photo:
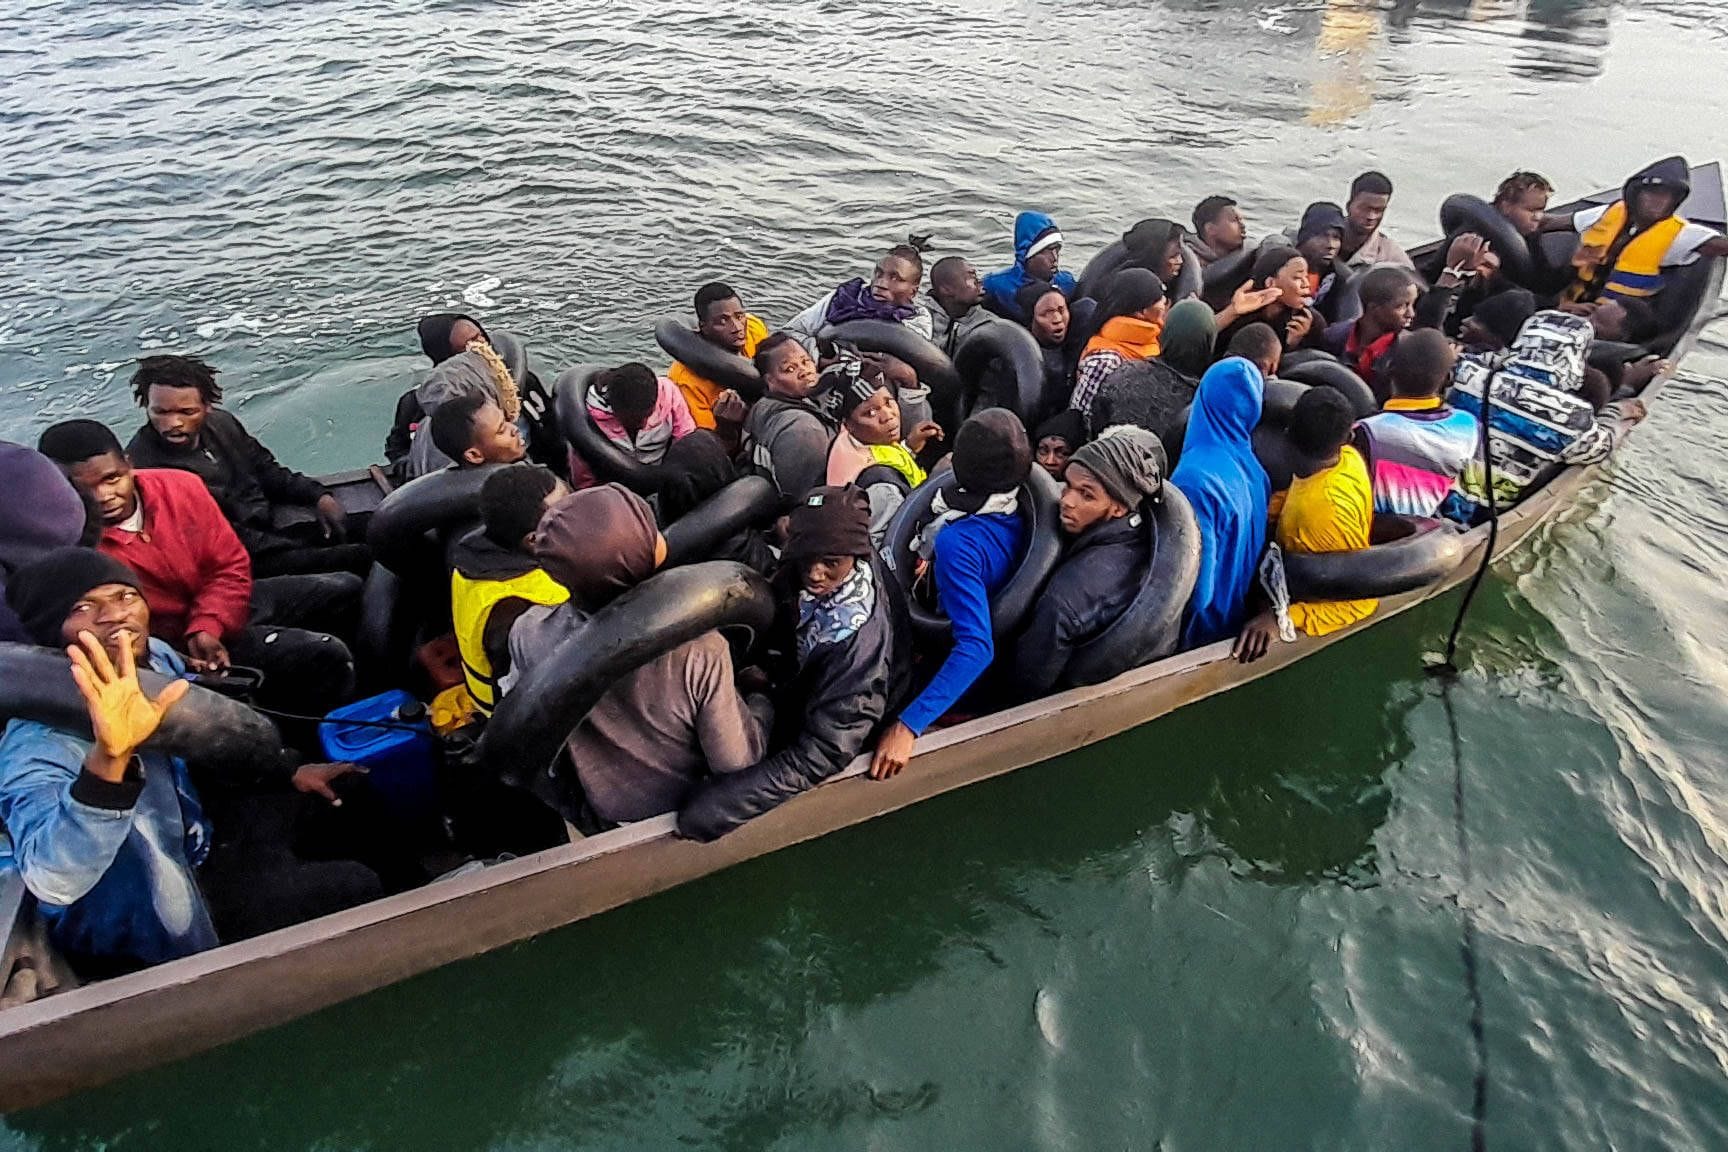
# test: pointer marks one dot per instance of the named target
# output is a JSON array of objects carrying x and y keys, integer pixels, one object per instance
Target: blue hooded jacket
[
  {"x": 1000, "y": 287},
  {"x": 1229, "y": 490}
]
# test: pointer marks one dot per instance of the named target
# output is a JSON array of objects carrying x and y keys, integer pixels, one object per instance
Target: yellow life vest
[
  {"x": 897, "y": 457},
  {"x": 1637, "y": 271},
  {"x": 471, "y": 604}
]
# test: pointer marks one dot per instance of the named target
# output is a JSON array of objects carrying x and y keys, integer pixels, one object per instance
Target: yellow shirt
[
  {"x": 1330, "y": 511},
  {"x": 701, "y": 392}
]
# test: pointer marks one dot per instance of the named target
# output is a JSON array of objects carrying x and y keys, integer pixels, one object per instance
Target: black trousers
[
  {"x": 292, "y": 640},
  {"x": 282, "y": 857}
]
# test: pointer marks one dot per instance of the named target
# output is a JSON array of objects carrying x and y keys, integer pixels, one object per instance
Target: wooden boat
[{"x": 84, "y": 1036}]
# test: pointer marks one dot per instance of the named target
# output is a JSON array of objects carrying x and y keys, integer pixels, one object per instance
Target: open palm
[{"x": 121, "y": 716}]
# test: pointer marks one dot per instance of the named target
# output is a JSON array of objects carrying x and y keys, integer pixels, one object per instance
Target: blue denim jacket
[{"x": 111, "y": 865}]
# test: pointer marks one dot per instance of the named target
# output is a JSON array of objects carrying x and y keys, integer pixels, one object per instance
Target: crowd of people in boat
[{"x": 190, "y": 549}]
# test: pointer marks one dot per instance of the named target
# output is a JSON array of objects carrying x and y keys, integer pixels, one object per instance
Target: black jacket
[
  {"x": 243, "y": 475},
  {"x": 836, "y": 702},
  {"x": 1148, "y": 394},
  {"x": 1097, "y": 580}
]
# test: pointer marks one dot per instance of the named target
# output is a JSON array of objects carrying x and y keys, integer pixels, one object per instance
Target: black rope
[
  {"x": 1467, "y": 941},
  {"x": 1447, "y": 667},
  {"x": 394, "y": 725}
]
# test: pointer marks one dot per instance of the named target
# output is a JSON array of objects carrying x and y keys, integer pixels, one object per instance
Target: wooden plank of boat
[{"x": 89, "y": 1035}]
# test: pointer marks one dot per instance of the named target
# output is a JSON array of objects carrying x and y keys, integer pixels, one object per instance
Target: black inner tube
[
  {"x": 727, "y": 369},
  {"x": 1008, "y": 608},
  {"x": 748, "y": 502},
  {"x": 668, "y": 609},
  {"x": 439, "y": 501},
  {"x": 1409, "y": 552},
  {"x": 1463, "y": 212},
  {"x": 206, "y": 726},
  {"x": 1004, "y": 343},
  {"x": 1150, "y": 628},
  {"x": 1335, "y": 375},
  {"x": 607, "y": 460}
]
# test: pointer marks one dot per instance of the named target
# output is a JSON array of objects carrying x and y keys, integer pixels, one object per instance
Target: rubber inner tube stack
[
  {"x": 727, "y": 369},
  {"x": 1150, "y": 628},
  {"x": 1278, "y": 401},
  {"x": 670, "y": 608},
  {"x": 1039, "y": 498},
  {"x": 577, "y": 426}
]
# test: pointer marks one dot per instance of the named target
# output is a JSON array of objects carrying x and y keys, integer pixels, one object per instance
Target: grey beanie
[{"x": 1128, "y": 460}]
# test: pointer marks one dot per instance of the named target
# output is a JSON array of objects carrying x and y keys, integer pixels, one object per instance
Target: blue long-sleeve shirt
[
  {"x": 974, "y": 556},
  {"x": 111, "y": 865}
]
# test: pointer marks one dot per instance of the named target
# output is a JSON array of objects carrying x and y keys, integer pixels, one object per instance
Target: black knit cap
[
  {"x": 831, "y": 521},
  {"x": 991, "y": 455},
  {"x": 42, "y": 592}
]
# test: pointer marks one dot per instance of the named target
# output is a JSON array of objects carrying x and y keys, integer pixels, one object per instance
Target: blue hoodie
[
  {"x": 1229, "y": 490},
  {"x": 1000, "y": 287}
]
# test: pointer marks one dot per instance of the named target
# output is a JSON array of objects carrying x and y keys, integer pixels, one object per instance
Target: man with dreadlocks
[{"x": 188, "y": 430}]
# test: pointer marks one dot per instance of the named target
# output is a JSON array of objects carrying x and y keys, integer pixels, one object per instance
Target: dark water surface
[{"x": 1236, "y": 929}]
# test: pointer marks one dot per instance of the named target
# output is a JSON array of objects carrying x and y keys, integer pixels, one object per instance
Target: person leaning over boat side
[
  {"x": 1320, "y": 237},
  {"x": 187, "y": 429},
  {"x": 1048, "y": 318},
  {"x": 660, "y": 728},
  {"x": 1389, "y": 297},
  {"x": 722, "y": 321},
  {"x": 42, "y": 510},
  {"x": 1054, "y": 442},
  {"x": 958, "y": 298},
  {"x": 1275, "y": 294},
  {"x": 471, "y": 430},
  {"x": 1037, "y": 256},
  {"x": 1417, "y": 445},
  {"x": 786, "y": 435},
  {"x": 891, "y": 295},
  {"x": 1548, "y": 412},
  {"x": 1365, "y": 243},
  {"x": 868, "y": 450},
  {"x": 1219, "y": 230},
  {"x": 1107, "y": 483},
  {"x": 640, "y": 413},
  {"x": 852, "y": 649},
  {"x": 111, "y": 838},
  {"x": 1125, "y": 326},
  {"x": 1625, "y": 248},
  {"x": 1229, "y": 490},
  {"x": 695, "y": 468},
  {"x": 972, "y": 545},
  {"x": 1329, "y": 508},
  {"x": 197, "y": 578},
  {"x": 495, "y": 577}
]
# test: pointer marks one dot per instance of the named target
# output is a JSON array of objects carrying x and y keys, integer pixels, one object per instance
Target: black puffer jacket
[
  {"x": 1146, "y": 393},
  {"x": 839, "y": 697},
  {"x": 1098, "y": 579}
]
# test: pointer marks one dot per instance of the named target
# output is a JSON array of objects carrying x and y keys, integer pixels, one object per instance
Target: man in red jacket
[{"x": 197, "y": 578}]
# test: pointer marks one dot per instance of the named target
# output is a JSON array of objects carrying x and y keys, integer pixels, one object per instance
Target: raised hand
[
  {"x": 1248, "y": 298},
  {"x": 121, "y": 716}
]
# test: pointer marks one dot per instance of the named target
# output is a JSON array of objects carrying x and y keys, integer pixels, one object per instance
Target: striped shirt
[{"x": 1416, "y": 448}]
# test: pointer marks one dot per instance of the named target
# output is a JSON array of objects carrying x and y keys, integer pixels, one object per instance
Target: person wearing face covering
[
  {"x": 1229, "y": 491},
  {"x": 973, "y": 542},
  {"x": 850, "y": 660},
  {"x": 1107, "y": 482},
  {"x": 660, "y": 729},
  {"x": 42, "y": 511}
]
